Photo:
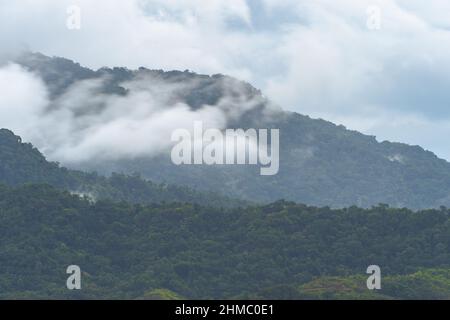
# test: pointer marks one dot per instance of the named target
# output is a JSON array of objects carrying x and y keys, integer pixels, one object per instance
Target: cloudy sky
[{"x": 381, "y": 66}]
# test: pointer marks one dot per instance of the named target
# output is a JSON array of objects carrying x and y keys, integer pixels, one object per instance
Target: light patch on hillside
[{"x": 396, "y": 158}]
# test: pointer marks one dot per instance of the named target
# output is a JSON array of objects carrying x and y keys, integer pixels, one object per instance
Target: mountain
[
  {"x": 168, "y": 251},
  {"x": 21, "y": 163},
  {"x": 320, "y": 163}
]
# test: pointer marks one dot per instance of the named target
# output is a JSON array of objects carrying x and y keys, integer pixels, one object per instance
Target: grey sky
[{"x": 315, "y": 57}]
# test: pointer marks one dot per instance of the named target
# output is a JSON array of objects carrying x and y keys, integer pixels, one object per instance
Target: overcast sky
[{"x": 328, "y": 59}]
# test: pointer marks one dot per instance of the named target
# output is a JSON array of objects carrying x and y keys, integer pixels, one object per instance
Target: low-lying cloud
[
  {"x": 314, "y": 57},
  {"x": 84, "y": 124}
]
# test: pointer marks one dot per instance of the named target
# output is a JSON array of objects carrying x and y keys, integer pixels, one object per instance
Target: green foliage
[
  {"x": 129, "y": 250},
  {"x": 22, "y": 163},
  {"x": 160, "y": 294},
  {"x": 135, "y": 239},
  {"x": 423, "y": 284}
]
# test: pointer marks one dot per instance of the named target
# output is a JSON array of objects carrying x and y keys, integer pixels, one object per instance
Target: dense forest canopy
[
  {"x": 281, "y": 250},
  {"x": 138, "y": 239}
]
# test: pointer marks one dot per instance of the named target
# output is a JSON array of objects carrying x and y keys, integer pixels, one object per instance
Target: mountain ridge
[
  {"x": 320, "y": 163},
  {"x": 278, "y": 251},
  {"x": 22, "y": 163}
]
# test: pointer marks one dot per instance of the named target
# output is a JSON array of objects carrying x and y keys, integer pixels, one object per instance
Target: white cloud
[
  {"x": 155, "y": 33},
  {"x": 22, "y": 99},
  {"x": 323, "y": 62},
  {"x": 84, "y": 124}
]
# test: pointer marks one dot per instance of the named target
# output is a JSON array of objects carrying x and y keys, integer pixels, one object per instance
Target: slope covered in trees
[
  {"x": 183, "y": 250},
  {"x": 21, "y": 163},
  {"x": 423, "y": 284},
  {"x": 320, "y": 163}
]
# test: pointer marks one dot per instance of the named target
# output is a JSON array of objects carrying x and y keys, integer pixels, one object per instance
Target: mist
[{"x": 84, "y": 123}]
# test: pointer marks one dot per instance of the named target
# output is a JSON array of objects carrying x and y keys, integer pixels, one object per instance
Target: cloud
[
  {"x": 157, "y": 34},
  {"x": 23, "y": 98},
  {"x": 84, "y": 124},
  {"x": 315, "y": 57},
  {"x": 344, "y": 72}
]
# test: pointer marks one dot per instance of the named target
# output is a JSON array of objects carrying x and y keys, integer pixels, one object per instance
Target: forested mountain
[
  {"x": 320, "y": 163},
  {"x": 21, "y": 163},
  {"x": 137, "y": 239},
  {"x": 281, "y": 250}
]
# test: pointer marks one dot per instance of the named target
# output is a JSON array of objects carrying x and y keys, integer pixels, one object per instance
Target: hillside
[
  {"x": 320, "y": 163},
  {"x": 182, "y": 250},
  {"x": 21, "y": 163},
  {"x": 427, "y": 283},
  {"x": 432, "y": 284}
]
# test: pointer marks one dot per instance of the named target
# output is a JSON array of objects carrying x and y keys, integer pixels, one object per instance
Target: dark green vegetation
[
  {"x": 320, "y": 163},
  {"x": 22, "y": 163},
  {"x": 282, "y": 250},
  {"x": 141, "y": 240},
  {"x": 423, "y": 284}
]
